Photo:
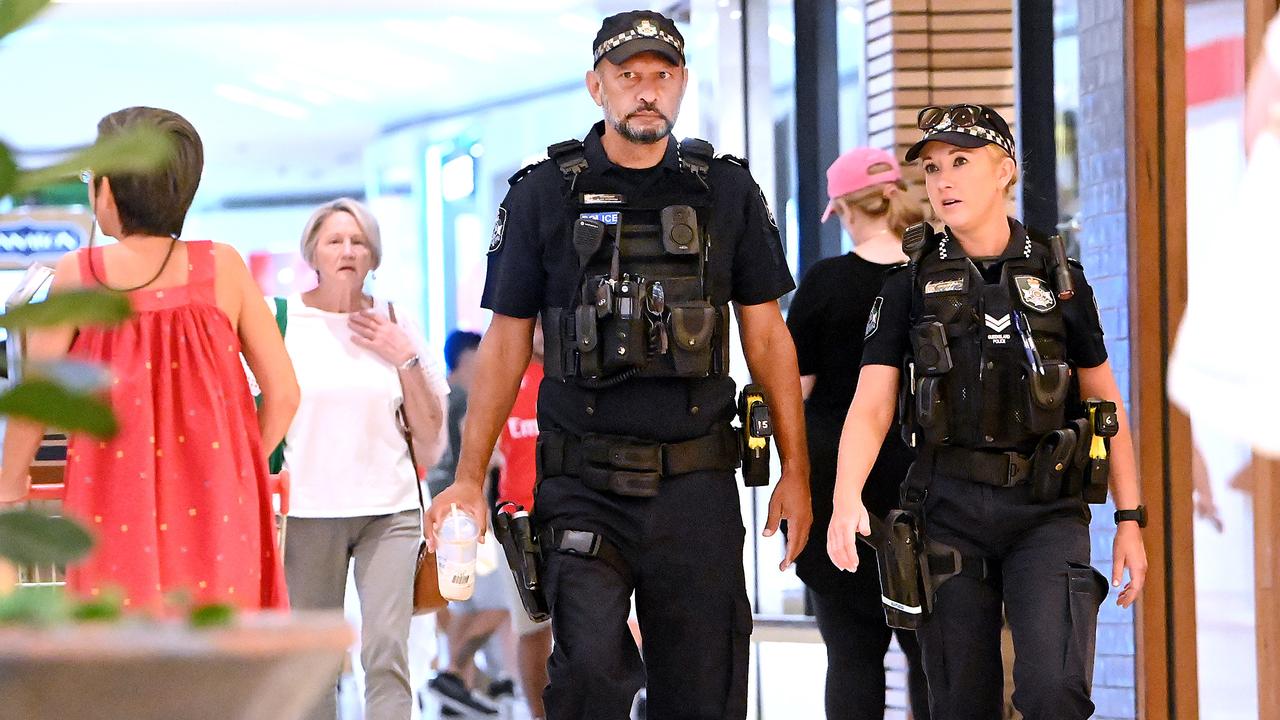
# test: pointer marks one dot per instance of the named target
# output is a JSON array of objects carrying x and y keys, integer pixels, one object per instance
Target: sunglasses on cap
[{"x": 962, "y": 116}]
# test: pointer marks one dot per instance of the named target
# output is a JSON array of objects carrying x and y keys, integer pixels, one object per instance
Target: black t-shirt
[
  {"x": 828, "y": 318},
  {"x": 532, "y": 265},
  {"x": 888, "y": 342}
]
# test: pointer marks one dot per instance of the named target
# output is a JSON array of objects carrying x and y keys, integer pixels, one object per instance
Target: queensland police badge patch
[
  {"x": 1035, "y": 293},
  {"x": 873, "y": 320},
  {"x": 499, "y": 229}
]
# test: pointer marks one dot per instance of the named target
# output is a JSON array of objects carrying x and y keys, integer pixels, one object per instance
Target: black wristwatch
[{"x": 1139, "y": 515}]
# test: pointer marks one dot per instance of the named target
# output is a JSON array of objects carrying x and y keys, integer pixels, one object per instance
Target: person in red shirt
[{"x": 517, "y": 444}]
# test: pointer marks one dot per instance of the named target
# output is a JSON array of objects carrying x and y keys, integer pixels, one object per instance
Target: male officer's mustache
[{"x": 647, "y": 107}]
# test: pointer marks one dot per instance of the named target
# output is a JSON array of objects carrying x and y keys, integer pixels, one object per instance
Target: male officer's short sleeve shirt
[{"x": 532, "y": 265}]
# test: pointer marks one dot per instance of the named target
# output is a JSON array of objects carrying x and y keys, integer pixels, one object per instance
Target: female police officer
[{"x": 993, "y": 325}]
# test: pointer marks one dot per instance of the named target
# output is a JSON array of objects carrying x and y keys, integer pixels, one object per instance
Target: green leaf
[
  {"x": 74, "y": 307},
  {"x": 31, "y": 538},
  {"x": 107, "y": 608},
  {"x": 134, "y": 150},
  {"x": 16, "y": 13},
  {"x": 40, "y": 605},
  {"x": 51, "y": 404},
  {"x": 212, "y": 616},
  {"x": 8, "y": 170}
]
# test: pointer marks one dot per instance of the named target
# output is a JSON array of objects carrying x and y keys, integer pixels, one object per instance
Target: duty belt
[
  {"x": 630, "y": 466},
  {"x": 1001, "y": 469}
]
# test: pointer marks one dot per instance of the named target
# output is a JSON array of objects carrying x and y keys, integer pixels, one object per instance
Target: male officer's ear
[{"x": 593, "y": 87}]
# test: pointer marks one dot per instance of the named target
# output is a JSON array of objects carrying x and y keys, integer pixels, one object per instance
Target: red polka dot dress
[{"x": 178, "y": 500}]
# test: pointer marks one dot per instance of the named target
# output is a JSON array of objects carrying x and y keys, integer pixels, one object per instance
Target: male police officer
[{"x": 632, "y": 246}]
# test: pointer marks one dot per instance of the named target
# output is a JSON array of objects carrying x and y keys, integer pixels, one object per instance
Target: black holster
[
  {"x": 906, "y": 590},
  {"x": 515, "y": 532}
]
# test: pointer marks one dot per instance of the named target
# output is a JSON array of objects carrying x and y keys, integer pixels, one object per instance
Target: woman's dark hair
[
  {"x": 458, "y": 342},
  {"x": 155, "y": 202}
]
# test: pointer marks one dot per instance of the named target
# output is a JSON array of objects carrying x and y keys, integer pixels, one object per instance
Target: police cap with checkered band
[
  {"x": 968, "y": 126},
  {"x": 626, "y": 34}
]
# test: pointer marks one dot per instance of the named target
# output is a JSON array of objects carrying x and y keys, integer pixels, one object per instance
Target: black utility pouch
[
  {"x": 693, "y": 328},
  {"x": 931, "y": 410},
  {"x": 1049, "y": 464}
]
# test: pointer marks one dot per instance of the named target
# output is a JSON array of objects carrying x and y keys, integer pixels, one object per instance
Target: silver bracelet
[{"x": 410, "y": 363}]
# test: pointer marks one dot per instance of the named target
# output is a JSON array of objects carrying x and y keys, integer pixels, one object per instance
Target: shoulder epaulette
[
  {"x": 1075, "y": 263},
  {"x": 740, "y": 162},
  {"x": 522, "y": 172}
]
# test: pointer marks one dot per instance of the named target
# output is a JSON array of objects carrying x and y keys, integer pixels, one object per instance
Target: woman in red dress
[{"x": 177, "y": 501}]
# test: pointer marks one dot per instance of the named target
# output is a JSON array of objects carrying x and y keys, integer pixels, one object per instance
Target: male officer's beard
[{"x": 643, "y": 136}]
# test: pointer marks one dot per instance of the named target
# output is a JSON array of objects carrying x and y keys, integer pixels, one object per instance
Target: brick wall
[{"x": 1104, "y": 252}]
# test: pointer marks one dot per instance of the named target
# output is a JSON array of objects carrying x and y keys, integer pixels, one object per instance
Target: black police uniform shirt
[
  {"x": 887, "y": 341},
  {"x": 827, "y": 318},
  {"x": 532, "y": 265}
]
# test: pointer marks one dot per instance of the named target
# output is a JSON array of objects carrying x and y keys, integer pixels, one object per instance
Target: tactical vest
[
  {"x": 643, "y": 304},
  {"x": 988, "y": 365}
]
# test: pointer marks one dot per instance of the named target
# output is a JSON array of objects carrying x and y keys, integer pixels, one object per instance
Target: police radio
[{"x": 757, "y": 428}]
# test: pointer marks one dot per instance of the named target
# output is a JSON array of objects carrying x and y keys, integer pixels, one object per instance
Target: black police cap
[
  {"x": 626, "y": 34},
  {"x": 988, "y": 128}
]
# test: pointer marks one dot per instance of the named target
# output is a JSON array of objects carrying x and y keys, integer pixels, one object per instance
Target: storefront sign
[{"x": 43, "y": 235}]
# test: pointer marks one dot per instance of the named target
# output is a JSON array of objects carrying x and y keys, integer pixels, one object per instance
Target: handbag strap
[{"x": 408, "y": 435}]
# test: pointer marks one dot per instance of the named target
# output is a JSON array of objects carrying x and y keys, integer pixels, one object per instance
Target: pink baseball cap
[{"x": 851, "y": 172}]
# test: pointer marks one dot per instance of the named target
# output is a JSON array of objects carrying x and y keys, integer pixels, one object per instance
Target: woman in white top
[{"x": 354, "y": 494}]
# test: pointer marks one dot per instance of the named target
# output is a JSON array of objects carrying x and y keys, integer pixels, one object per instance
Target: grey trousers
[{"x": 385, "y": 549}]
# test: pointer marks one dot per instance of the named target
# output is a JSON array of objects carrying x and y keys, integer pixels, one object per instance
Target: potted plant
[{"x": 62, "y": 658}]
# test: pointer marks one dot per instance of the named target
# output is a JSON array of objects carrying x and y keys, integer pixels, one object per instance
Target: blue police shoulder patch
[{"x": 499, "y": 229}]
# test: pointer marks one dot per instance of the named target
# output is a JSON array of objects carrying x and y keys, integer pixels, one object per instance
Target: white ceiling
[{"x": 285, "y": 93}]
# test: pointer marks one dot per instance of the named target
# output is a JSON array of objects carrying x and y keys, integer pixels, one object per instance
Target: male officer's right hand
[
  {"x": 468, "y": 495},
  {"x": 848, "y": 521}
]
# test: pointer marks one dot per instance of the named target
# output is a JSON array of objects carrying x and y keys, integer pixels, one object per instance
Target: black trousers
[
  {"x": 1044, "y": 585},
  {"x": 684, "y": 548},
  {"x": 857, "y": 638}
]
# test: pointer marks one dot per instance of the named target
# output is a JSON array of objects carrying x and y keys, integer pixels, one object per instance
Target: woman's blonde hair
[
  {"x": 882, "y": 199},
  {"x": 358, "y": 212}
]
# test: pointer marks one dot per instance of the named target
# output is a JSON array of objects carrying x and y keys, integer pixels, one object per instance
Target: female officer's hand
[
  {"x": 848, "y": 520},
  {"x": 1128, "y": 552}
]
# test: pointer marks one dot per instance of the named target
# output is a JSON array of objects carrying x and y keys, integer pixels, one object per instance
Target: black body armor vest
[
  {"x": 643, "y": 306},
  {"x": 987, "y": 367}
]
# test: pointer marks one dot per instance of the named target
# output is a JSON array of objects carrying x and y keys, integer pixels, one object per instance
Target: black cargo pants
[
  {"x": 684, "y": 552},
  {"x": 1043, "y": 583}
]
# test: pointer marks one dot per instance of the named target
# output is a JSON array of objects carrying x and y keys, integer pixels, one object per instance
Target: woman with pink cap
[{"x": 827, "y": 317}]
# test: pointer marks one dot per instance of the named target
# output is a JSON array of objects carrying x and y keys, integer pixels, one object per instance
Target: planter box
[{"x": 268, "y": 666}]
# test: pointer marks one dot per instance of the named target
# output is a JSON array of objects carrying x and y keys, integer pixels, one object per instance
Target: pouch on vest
[{"x": 693, "y": 325}]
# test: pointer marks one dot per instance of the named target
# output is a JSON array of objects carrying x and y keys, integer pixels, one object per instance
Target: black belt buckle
[
  {"x": 634, "y": 484},
  {"x": 1019, "y": 469},
  {"x": 579, "y": 542}
]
